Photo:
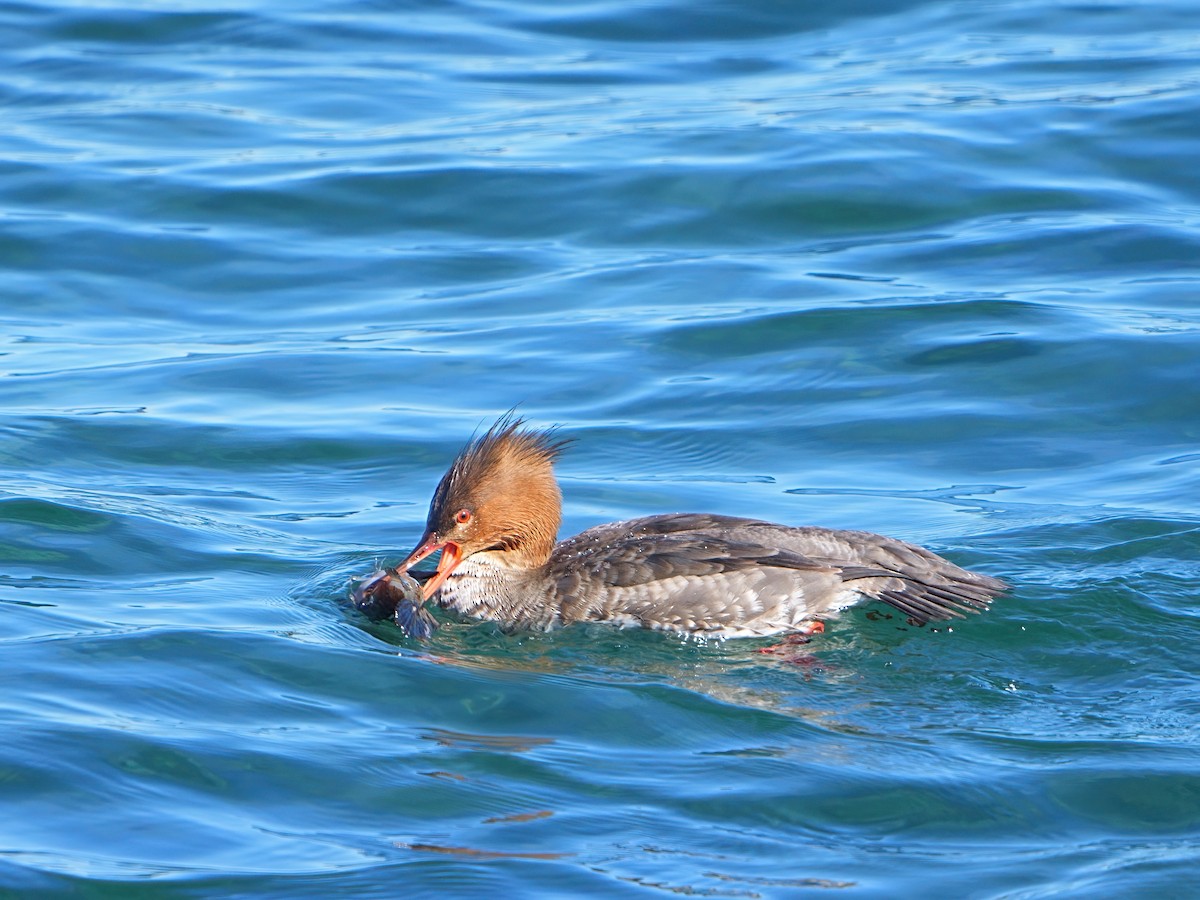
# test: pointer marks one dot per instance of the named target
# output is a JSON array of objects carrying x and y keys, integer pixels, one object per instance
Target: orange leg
[{"x": 801, "y": 635}]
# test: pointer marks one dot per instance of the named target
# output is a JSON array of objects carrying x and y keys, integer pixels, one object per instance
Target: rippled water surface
[{"x": 924, "y": 268}]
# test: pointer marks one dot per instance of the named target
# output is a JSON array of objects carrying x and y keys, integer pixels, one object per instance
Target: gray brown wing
[
  {"x": 689, "y": 580},
  {"x": 718, "y": 571}
]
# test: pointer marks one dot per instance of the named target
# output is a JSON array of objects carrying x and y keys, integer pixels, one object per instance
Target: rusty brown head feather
[{"x": 494, "y": 464}]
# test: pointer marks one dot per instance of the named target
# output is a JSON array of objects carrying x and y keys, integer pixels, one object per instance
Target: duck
[{"x": 495, "y": 515}]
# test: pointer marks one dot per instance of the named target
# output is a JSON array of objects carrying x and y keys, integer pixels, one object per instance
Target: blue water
[{"x": 924, "y": 268}]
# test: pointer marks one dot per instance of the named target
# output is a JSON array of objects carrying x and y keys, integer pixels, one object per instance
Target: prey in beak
[{"x": 388, "y": 594}]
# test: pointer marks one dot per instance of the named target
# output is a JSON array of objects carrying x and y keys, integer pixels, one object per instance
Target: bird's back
[{"x": 727, "y": 576}]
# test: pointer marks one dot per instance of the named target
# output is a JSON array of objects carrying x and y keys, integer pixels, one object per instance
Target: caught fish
[{"x": 390, "y": 594}]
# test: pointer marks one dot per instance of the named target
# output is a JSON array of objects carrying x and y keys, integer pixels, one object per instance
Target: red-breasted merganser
[{"x": 495, "y": 517}]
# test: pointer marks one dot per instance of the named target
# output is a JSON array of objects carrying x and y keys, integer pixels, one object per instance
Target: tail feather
[
  {"x": 940, "y": 603},
  {"x": 955, "y": 592}
]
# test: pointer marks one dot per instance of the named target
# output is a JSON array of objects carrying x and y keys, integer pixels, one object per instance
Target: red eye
[{"x": 463, "y": 516}]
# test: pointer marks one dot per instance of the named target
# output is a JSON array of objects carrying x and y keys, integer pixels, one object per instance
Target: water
[{"x": 929, "y": 269}]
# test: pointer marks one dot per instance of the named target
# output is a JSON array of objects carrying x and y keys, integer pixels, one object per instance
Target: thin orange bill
[{"x": 451, "y": 557}]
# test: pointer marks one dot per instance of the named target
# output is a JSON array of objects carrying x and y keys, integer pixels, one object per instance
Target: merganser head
[{"x": 498, "y": 497}]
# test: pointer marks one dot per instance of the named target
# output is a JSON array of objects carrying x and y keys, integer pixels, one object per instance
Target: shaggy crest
[{"x": 505, "y": 450}]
